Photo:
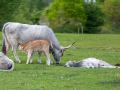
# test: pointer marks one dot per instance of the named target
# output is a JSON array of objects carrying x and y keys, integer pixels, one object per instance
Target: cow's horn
[{"x": 69, "y": 46}]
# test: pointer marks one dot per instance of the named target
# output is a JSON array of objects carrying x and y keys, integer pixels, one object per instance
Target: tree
[
  {"x": 112, "y": 12},
  {"x": 30, "y": 12},
  {"x": 64, "y": 14},
  {"x": 7, "y": 8},
  {"x": 95, "y": 17}
]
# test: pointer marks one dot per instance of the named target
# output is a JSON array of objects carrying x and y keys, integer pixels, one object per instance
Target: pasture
[{"x": 42, "y": 77}]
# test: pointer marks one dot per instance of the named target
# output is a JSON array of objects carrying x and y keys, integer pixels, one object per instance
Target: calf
[
  {"x": 6, "y": 64},
  {"x": 90, "y": 63},
  {"x": 36, "y": 46}
]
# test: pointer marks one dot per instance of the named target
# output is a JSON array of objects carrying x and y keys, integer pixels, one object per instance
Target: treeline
[{"x": 64, "y": 16}]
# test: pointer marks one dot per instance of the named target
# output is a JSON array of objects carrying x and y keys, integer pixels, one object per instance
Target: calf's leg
[
  {"x": 29, "y": 55},
  {"x": 47, "y": 58}
]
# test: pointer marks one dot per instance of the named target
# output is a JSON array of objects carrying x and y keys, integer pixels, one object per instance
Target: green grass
[{"x": 42, "y": 77}]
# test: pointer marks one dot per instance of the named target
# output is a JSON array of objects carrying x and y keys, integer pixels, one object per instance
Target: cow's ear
[
  {"x": 63, "y": 50},
  {"x": 18, "y": 44},
  {"x": 74, "y": 61}
]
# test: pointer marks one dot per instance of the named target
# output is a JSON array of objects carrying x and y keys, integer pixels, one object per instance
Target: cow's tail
[
  {"x": 3, "y": 47},
  {"x": 4, "y": 37}
]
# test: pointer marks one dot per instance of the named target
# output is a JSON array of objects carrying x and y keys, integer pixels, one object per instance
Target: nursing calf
[
  {"x": 90, "y": 63},
  {"x": 36, "y": 46},
  {"x": 6, "y": 64}
]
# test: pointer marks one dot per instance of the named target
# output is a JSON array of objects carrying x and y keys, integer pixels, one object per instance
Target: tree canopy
[
  {"x": 65, "y": 13},
  {"x": 95, "y": 17},
  {"x": 7, "y": 8},
  {"x": 112, "y": 11}
]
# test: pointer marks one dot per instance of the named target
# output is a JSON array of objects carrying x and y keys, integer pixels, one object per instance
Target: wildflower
[
  {"x": 74, "y": 80},
  {"x": 49, "y": 78},
  {"x": 32, "y": 86},
  {"x": 61, "y": 77}
]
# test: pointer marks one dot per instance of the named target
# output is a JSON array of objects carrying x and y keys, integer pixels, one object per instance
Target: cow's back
[{"x": 24, "y": 33}]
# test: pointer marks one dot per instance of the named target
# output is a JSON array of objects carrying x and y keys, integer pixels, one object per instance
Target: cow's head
[
  {"x": 69, "y": 63},
  {"x": 57, "y": 54}
]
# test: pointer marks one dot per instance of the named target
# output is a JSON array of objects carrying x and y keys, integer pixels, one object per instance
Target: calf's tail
[{"x": 51, "y": 46}]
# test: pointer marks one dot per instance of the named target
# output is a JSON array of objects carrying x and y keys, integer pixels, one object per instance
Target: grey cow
[
  {"x": 6, "y": 64},
  {"x": 90, "y": 63}
]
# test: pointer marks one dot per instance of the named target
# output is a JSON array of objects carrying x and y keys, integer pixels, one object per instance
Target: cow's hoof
[
  {"x": 19, "y": 62},
  {"x": 40, "y": 62},
  {"x": 51, "y": 62}
]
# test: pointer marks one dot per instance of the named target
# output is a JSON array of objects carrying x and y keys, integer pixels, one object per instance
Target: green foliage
[
  {"x": 30, "y": 12},
  {"x": 100, "y": 1},
  {"x": 65, "y": 14},
  {"x": 95, "y": 17},
  {"x": 42, "y": 77},
  {"x": 23, "y": 16},
  {"x": 112, "y": 11},
  {"x": 7, "y": 8}
]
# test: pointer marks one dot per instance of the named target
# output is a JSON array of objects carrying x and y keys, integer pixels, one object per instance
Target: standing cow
[{"x": 14, "y": 33}]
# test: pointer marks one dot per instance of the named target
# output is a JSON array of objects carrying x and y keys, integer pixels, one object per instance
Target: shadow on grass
[{"x": 115, "y": 82}]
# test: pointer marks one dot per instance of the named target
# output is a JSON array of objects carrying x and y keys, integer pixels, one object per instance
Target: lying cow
[
  {"x": 37, "y": 46},
  {"x": 90, "y": 63},
  {"x": 14, "y": 33},
  {"x": 6, "y": 64}
]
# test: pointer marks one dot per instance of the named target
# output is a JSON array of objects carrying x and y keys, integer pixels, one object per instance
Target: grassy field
[{"x": 42, "y": 77}]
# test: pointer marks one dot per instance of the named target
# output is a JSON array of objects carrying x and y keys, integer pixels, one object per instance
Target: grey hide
[
  {"x": 6, "y": 64},
  {"x": 90, "y": 63}
]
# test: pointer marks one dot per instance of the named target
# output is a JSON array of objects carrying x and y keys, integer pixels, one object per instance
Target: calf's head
[
  {"x": 20, "y": 46},
  {"x": 57, "y": 54}
]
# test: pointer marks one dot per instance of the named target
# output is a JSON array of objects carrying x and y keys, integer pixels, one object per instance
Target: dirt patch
[
  {"x": 59, "y": 65},
  {"x": 74, "y": 47},
  {"x": 70, "y": 54},
  {"x": 72, "y": 75}
]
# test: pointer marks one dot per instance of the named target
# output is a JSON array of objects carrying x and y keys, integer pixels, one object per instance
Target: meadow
[{"x": 42, "y": 77}]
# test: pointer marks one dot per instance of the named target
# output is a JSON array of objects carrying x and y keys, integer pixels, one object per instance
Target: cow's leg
[
  {"x": 51, "y": 61},
  {"x": 39, "y": 57},
  {"x": 14, "y": 50},
  {"x": 31, "y": 57}
]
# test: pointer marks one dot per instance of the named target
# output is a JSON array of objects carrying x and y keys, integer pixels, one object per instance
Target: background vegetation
[
  {"x": 42, "y": 77},
  {"x": 101, "y": 16}
]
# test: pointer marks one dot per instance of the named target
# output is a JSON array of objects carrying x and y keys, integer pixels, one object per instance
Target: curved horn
[{"x": 69, "y": 46}]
